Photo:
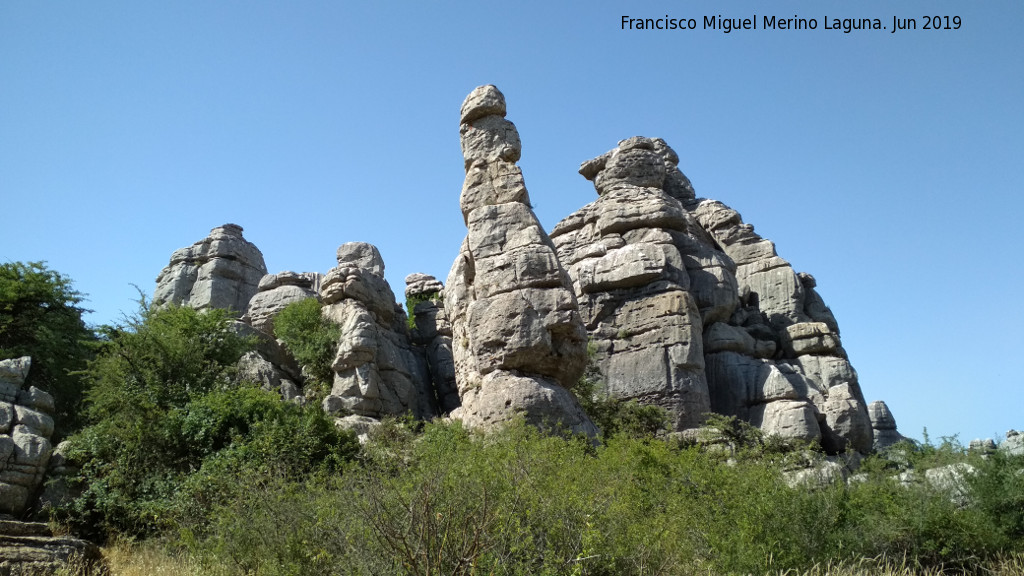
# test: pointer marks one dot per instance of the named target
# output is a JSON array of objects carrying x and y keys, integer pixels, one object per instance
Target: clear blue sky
[{"x": 887, "y": 165}]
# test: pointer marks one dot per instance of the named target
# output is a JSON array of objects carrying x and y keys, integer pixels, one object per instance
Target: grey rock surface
[
  {"x": 690, "y": 309},
  {"x": 517, "y": 337},
  {"x": 883, "y": 426},
  {"x": 30, "y": 548},
  {"x": 26, "y": 426},
  {"x": 1013, "y": 445},
  {"x": 376, "y": 369},
  {"x": 627, "y": 256},
  {"x": 431, "y": 335},
  {"x": 26, "y": 423},
  {"x": 222, "y": 270},
  {"x": 275, "y": 292}
]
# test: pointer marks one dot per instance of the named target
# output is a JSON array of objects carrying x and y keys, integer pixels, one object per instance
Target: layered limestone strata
[
  {"x": 26, "y": 424},
  {"x": 275, "y": 292},
  {"x": 883, "y": 426},
  {"x": 632, "y": 283},
  {"x": 222, "y": 270},
  {"x": 376, "y": 370},
  {"x": 680, "y": 303},
  {"x": 518, "y": 340},
  {"x": 688, "y": 308}
]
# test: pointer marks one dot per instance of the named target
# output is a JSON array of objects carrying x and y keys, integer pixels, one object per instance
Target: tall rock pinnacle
[{"x": 518, "y": 339}]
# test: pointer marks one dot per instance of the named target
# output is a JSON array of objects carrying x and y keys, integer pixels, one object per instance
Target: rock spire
[{"x": 518, "y": 339}]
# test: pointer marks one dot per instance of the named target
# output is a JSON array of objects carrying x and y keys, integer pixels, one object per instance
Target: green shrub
[
  {"x": 615, "y": 416},
  {"x": 310, "y": 337},
  {"x": 412, "y": 301},
  {"x": 172, "y": 432}
]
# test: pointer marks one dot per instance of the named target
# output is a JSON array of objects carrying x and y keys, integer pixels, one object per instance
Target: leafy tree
[{"x": 41, "y": 317}]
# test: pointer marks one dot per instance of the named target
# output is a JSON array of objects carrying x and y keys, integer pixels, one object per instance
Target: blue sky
[{"x": 887, "y": 165}]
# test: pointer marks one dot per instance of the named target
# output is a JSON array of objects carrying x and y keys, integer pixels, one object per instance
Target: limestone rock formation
[
  {"x": 26, "y": 423},
  {"x": 222, "y": 270},
  {"x": 376, "y": 371},
  {"x": 31, "y": 548},
  {"x": 883, "y": 426},
  {"x": 1013, "y": 445},
  {"x": 518, "y": 339},
  {"x": 688, "y": 308},
  {"x": 432, "y": 333},
  {"x": 275, "y": 291},
  {"x": 632, "y": 283}
]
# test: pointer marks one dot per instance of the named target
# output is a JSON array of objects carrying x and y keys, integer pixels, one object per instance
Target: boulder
[
  {"x": 32, "y": 548},
  {"x": 275, "y": 292}
]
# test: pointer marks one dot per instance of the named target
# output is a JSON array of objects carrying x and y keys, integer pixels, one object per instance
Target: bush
[
  {"x": 310, "y": 337},
  {"x": 615, "y": 416},
  {"x": 41, "y": 317},
  {"x": 172, "y": 432}
]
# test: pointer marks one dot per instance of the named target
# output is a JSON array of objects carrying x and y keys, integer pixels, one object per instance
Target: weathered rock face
[
  {"x": 376, "y": 371},
  {"x": 431, "y": 334},
  {"x": 31, "y": 548},
  {"x": 222, "y": 270},
  {"x": 632, "y": 283},
  {"x": 883, "y": 426},
  {"x": 275, "y": 292},
  {"x": 518, "y": 339},
  {"x": 26, "y": 423},
  {"x": 688, "y": 308}
]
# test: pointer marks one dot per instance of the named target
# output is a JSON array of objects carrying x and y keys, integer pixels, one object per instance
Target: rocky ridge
[
  {"x": 677, "y": 301},
  {"x": 518, "y": 339}
]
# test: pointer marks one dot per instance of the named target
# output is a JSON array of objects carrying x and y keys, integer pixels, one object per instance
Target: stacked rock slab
[
  {"x": 432, "y": 334},
  {"x": 222, "y": 270},
  {"x": 689, "y": 309},
  {"x": 376, "y": 371},
  {"x": 817, "y": 395},
  {"x": 30, "y": 548},
  {"x": 632, "y": 283},
  {"x": 271, "y": 364},
  {"x": 275, "y": 292},
  {"x": 518, "y": 339},
  {"x": 26, "y": 424}
]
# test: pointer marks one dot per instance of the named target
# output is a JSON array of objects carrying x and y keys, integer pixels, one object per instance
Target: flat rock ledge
[{"x": 31, "y": 549}]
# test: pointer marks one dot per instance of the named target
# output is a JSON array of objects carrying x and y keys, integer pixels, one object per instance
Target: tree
[{"x": 41, "y": 317}]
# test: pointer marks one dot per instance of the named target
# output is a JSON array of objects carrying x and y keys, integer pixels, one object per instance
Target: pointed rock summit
[{"x": 518, "y": 339}]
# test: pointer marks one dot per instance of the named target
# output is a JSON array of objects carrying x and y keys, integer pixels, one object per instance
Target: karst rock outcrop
[
  {"x": 517, "y": 337},
  {"x": 688, "y": 308},
  {"x": 26, "y": 425},
  {"x": 675, "y": 300},
  {"x": 222, "y": 270},
  {"x": 376, "y": 370}
]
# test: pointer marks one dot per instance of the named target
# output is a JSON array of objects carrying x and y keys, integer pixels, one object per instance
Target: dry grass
[
  {"x": 147, "y": 559},
  {"x": 1008, "y": 566}
]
